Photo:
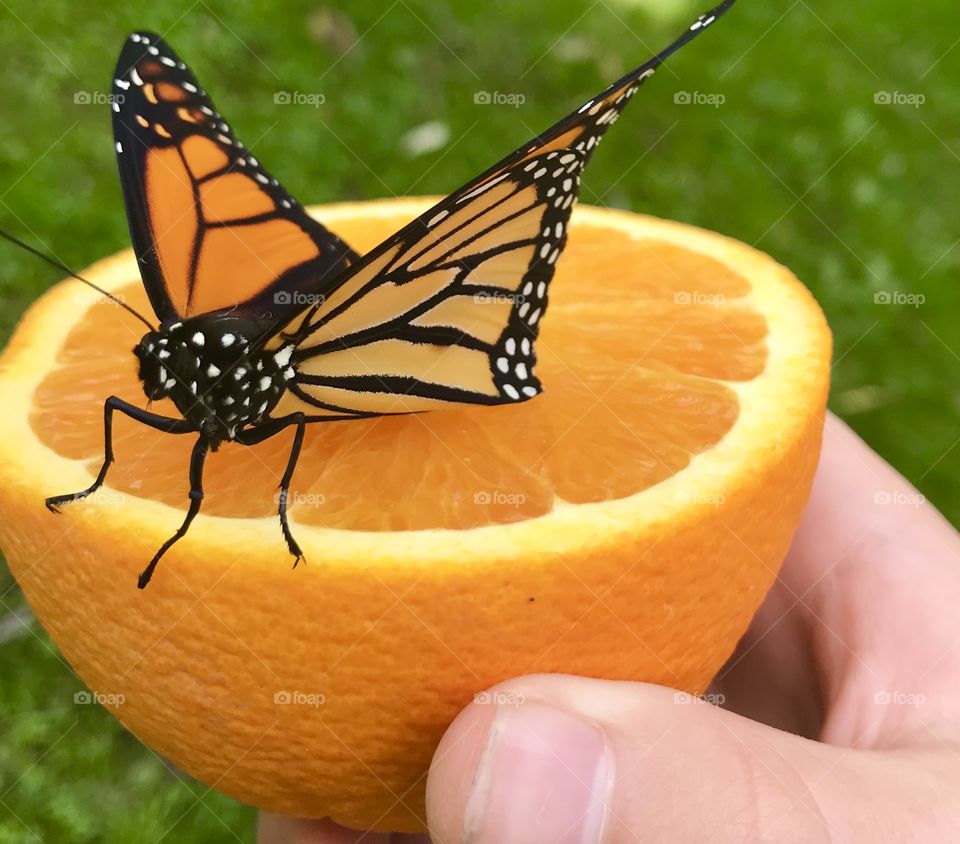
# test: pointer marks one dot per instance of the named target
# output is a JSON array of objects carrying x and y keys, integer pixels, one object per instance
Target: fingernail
[{"x": 543, "y": 779}]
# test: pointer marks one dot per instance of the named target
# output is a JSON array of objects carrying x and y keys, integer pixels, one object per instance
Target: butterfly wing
[
  {"x": 212, "y": 229},
  {"x": 582, "y": 129},
  {"x": 448, "y": 309}
]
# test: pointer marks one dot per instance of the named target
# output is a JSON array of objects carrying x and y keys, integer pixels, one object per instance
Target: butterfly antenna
[{"x": 64, "y": 268}]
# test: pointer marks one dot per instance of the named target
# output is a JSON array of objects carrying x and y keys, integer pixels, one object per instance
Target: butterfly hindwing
[{"x": 212, "y": 229}]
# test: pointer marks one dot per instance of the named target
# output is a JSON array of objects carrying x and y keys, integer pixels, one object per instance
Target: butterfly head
[{"x": 215, "y": 371}]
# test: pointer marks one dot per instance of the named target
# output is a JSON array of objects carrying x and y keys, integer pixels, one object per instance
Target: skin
[{"x": 840, "y": 718}]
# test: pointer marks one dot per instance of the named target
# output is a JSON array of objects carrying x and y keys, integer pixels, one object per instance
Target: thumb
[{"x": 554, "y": 759}]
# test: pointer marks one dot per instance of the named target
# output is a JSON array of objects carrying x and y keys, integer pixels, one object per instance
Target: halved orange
[{"x": 626, "y": 524}]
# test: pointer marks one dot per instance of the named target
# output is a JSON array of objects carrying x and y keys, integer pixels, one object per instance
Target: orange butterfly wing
[{"x": 212, "y": 229}]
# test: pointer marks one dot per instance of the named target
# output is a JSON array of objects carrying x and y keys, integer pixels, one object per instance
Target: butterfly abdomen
[{"x": 214, "y": 372}]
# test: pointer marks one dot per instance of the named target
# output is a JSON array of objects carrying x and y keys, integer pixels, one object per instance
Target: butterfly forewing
[
  {"x": 213, "y": 230},
  {"x": 582, "y": 129}
]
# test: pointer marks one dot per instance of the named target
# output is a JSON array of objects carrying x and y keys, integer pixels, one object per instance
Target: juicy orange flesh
[{"x": 639, "y": 337}]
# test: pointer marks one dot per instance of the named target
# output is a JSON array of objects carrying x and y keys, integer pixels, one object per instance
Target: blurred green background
[{"x": 825, "y": 134}]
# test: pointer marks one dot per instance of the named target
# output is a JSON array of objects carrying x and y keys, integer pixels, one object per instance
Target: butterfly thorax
[{"x": 215, "y": 371}]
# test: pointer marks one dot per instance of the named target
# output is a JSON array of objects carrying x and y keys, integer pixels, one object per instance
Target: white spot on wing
[{"x": 283, "y": 356}]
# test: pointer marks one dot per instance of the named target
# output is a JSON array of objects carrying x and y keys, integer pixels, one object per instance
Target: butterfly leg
[
  {"x": 197, "y": 458},
  {"x": 263, "y": 432},
  {"x": 153, "y": 420}
]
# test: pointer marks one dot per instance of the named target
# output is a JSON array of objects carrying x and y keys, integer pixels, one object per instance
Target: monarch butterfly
[{"x": 228, "y": 258}]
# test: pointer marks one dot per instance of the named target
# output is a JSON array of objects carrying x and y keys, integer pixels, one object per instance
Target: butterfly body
[
  {"x": 215, "y": 371},
  {"x": 269, "y": 321}
]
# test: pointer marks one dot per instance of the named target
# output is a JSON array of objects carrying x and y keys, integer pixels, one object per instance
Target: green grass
[{"x": 857, "y": 197}]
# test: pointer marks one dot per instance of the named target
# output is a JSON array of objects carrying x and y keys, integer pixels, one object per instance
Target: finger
[
  {"x": 772, "y": 676},
  {"x": 280, "y": 829},
  {"x": 861, "y": 613},
  {"x": 580, "y": 761},
  {"x": 859, "y": 503}
]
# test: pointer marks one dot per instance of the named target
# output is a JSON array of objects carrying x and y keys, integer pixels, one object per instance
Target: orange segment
[
  {"x": 633, "y": 375},
  {"x": 626, "y": 524}
]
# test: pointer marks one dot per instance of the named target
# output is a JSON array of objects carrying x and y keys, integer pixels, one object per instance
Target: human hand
[{"x": 841, "y": 718}]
